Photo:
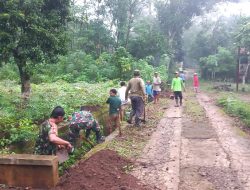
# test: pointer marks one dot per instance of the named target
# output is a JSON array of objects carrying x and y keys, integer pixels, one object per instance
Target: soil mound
[{"x": 105, "y": 170}]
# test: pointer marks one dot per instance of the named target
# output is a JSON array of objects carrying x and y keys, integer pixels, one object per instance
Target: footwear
[
  {"x": 138, "y": 125},
  {"x": 176, "y": 106},
  {"x": 101, "y": 140},
  {"x": 129, "y": 121}
]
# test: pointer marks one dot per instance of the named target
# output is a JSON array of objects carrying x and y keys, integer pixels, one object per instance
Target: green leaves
[{"x": 237, "y": 108}]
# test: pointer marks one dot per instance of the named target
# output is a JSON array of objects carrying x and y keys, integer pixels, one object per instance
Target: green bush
[{"x": 237, "y": 108}]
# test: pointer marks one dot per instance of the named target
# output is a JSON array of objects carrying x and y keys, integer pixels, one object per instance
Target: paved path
[{"x": 204, "y": 153}]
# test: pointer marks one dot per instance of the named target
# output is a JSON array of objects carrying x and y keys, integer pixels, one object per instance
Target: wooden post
[{"x": 237, "y": 69}]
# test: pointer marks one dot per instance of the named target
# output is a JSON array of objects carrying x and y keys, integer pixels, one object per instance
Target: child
[
  {"x": 114, "y": 108},
  {"x": 149, "y": 91},
  {"x": 196, "y": 82},
  {"x": 121, "y": 93}
]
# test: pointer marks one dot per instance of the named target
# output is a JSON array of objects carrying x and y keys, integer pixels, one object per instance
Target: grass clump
[{"x": 236, "y": 107}]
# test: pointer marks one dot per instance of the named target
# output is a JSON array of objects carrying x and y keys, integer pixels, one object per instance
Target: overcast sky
[{"x": 228, "y": 9}]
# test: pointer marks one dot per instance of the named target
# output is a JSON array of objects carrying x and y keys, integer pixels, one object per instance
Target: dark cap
[{"x": 137, "y": 73}]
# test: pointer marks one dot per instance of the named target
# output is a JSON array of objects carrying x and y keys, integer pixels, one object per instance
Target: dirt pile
[{"x": 102, "y": 171}]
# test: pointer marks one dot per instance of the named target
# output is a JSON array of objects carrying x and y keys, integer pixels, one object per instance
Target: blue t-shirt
[
  {"x": 182, "y": 76},
  {"x": 149, "y": 89}
]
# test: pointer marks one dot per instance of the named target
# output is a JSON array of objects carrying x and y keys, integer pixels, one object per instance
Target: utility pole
[{"x": 237, "y": 69}]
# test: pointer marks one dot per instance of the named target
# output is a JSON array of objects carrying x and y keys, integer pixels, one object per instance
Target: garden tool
[{"x": 63, "y": 154}]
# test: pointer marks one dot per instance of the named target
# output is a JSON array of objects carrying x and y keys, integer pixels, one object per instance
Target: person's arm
[
  {"x": 120, "y": 104},
  {"x": 127, "y": 90},
  {"x": 107, "y": 102},
  {"x": 143, "y": 87},
  {"x": 172, "y": 85},
  {"x": 183, "y": 86},
  {"x": 58, "y": 141}
]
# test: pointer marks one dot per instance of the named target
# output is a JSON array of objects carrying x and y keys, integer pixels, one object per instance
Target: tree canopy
[{"x": 32, "y": 32}]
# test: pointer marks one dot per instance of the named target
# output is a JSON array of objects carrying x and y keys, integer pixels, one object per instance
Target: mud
[{"x": 102, "y": 171}]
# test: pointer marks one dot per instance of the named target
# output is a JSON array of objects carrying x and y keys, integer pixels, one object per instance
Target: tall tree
[
  {"x": 176, "y": 15},
  {"x": 123, "y": 13},
  {"x": 32, "y": 32},
  {"x": 242, "y": 36}
]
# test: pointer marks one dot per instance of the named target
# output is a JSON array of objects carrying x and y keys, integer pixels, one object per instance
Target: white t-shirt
[
  {"x": 121, "y": 93},
  {"x": 156, "y": 84}
]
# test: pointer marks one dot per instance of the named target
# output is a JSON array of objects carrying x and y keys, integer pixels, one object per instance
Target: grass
[
  {"x": 236, "y": 107},
  {"x": 192, "y": 107},
  {"x": 135, "y": 139}
]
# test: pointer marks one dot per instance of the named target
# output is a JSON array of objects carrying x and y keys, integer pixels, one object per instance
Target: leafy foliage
[
  {"x": 243, "y": 34},
  {"x": 32, "y": 32},
  {"x": 237, "y": 108},
  {"x": 18, "y": 122},
  {"x": 221, "y": 63}
]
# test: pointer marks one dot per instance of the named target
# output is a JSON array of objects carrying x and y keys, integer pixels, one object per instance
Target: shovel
[{"x": 63, "y": 154}]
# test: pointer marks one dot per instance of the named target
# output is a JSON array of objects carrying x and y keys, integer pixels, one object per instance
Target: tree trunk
[
  {"x": 130, "y": 20},
  {"x": 24, "y": 77}
]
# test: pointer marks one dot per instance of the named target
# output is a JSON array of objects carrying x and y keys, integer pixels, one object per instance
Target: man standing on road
[
  {"x": 176, "y": 87},
  {"x": 156, "y": 87},
  {"x": 136, "y": 86}
]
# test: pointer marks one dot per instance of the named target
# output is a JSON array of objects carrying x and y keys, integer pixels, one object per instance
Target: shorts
[
  {"x": 178, "y": 94},
  {"x": 114, "y": 119},
  {"x": 155, "y": 93}
]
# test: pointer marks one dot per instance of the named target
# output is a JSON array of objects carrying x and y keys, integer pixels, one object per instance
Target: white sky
[{"x": 227, "y": 9}]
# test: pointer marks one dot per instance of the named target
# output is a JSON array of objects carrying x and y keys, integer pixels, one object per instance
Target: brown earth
[{"x": 105, "y": 170}]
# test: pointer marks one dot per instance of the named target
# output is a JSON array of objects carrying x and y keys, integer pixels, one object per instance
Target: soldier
[
  {"x": 48, "y": 141},
  {"x": 84, "y": 120}
]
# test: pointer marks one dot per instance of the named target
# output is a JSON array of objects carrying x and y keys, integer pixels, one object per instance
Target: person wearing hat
[
  {"x": 136, "y": 87},
  {"x": 156, "y": 87},
  {"x": 48, "y": 141},
  {"x": 177, "y": 87},
  {"x": 196, "y": 82}
]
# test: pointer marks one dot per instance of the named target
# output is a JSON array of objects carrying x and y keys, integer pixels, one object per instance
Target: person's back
[
  {"x": 114, "y": 104},
  {"x": 114, "y": 110},
  {"x": 149, "y": 89},
  {"x": 136, "y": 87},
  {"x": 83, "y": 120},
  {"x": 196, "y": 81},
  {"x": 122, "y": 91}
]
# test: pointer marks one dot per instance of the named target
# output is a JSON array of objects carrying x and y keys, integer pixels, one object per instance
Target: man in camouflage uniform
[
  {"x": 48, "y": 140},
  {"x": 84, "y": 120}
]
